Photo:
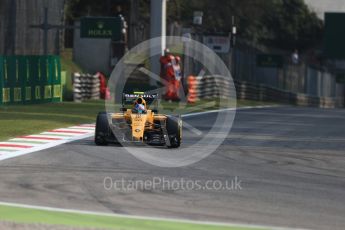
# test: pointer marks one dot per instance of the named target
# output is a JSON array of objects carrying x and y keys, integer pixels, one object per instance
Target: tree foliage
[
  {"x": 292, "y": 24},
  {"x": 286, "y": 24},
  {"x": 74, "y": 9}
]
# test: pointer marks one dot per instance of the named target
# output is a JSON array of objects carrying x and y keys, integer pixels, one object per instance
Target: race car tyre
[
  {"x": 174, "y": 129},
  {"x": 102, "y": 129}
]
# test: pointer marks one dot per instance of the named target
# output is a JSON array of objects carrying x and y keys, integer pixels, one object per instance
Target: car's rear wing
[{"x": 151, "y": 99}]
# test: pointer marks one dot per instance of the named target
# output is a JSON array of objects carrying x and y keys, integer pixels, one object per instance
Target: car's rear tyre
[
  {"x": 102, "y": 129},
  {"x": 174, "y": 129}
]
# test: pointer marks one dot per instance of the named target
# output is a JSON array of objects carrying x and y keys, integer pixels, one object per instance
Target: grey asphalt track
[{"x": 290, "y": 161}]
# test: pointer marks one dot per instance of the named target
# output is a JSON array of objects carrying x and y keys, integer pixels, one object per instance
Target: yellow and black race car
[{"x": 138, "y": 123}]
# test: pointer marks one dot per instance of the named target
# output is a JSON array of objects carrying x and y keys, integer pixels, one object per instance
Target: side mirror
[{"x": 123, "y": 109}]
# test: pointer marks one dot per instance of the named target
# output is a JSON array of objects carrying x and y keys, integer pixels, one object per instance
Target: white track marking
[
  {"x": 197, "y": 131},
  {"x": 11, "y": 148},
  {"x": 50, "y": 135},
  {"x": 28, "y": 139},
  {"x": 82, "y": 128},
  {"x": 63, "y": 135},
  {"x": 192, "y": 128},
  {"x": 228, "y": 109},
  {"x": 76, "y": 130},
  {"x": 45, "y": 144},
  {"x": 19, "y": 144},
  {"x": 69, "y": 131}
]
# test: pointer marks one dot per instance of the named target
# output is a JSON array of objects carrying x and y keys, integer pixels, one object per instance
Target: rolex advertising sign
[{"x": 101, "y": 27}]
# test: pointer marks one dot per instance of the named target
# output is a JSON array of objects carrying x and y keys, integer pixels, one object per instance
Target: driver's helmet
[{"x": 139, "y": 105}]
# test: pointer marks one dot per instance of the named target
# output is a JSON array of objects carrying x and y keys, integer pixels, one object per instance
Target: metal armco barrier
[
  {"x": 219, "y": 86},
  {"x": 246, "y": 90},
  {"x": 85, "y": 87},
  {"x": 30, "y": 79}
]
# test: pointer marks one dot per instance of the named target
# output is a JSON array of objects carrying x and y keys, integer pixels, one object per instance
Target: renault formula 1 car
[{"x": 138, "y": 123}]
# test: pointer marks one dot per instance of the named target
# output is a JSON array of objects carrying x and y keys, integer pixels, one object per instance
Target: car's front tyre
[
  {"x": 174, "y": 129},
  {"x": 102, "y": 129}
]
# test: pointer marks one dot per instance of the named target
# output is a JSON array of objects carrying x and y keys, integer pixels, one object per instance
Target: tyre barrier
[
  {"x": 85, "y": 87},
  {"x": 206, "y": 87}
]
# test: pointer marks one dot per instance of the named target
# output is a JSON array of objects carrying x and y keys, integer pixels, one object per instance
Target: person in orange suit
[{"x": 171, "y": 74}]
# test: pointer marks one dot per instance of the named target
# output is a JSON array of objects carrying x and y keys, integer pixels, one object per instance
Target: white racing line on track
[
  {"x": 228, "y": 109},
  {"x": 36, "y": 142},
  {"x": 185, "y": 221}
]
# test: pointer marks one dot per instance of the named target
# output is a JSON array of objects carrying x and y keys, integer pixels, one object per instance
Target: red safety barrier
[{"x": 192, "y": 94}]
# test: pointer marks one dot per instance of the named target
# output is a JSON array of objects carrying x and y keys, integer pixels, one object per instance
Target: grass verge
[
  {"x": 30, "y": 215},
  {"x": 17, "y": 120}
]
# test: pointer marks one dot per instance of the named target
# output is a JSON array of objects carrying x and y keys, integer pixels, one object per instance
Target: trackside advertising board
[
  {"x": 30, "y": 79},
  {"x": 101, "y": 27}
]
